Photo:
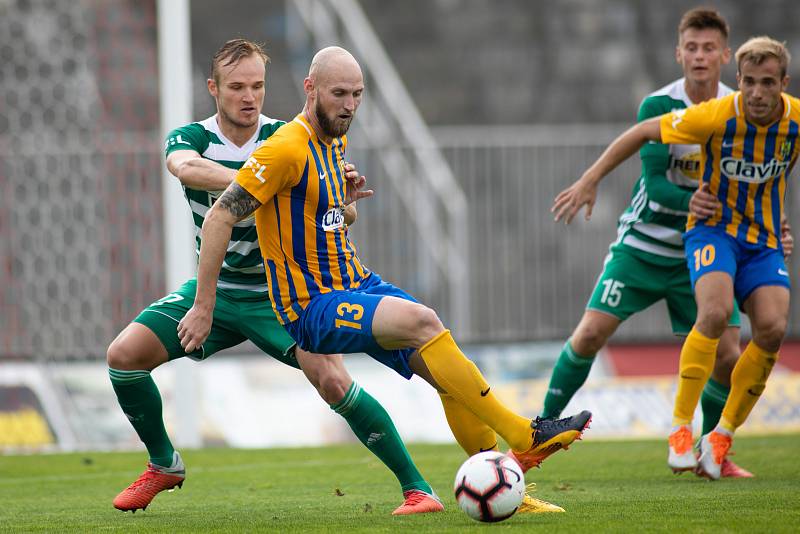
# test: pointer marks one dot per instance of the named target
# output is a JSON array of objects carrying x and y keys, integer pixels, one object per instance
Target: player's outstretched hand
[
  {"x": 570, "y": 201},
  {"x": 787, "y": 239},
  {"x": 355, "y": 184},
  {"x": 194, "y": 329},
  {"x": 703, "y": 204}
]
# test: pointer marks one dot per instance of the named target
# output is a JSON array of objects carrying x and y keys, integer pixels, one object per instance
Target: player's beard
[{"x": 331, "y": 127}]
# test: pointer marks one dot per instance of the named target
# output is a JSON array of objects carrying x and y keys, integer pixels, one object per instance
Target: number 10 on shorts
[
  {"x": 704, "y": 257},
  {"x": 350, "y": 314}
]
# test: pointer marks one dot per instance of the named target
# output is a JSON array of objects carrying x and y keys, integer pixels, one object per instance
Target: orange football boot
[
  {"x": 728, "y": 469},
  {"x": 150, "y": 483},
  {"x": 419, "y": 502}
]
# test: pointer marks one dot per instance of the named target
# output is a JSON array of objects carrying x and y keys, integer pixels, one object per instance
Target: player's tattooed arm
[
  {"x": 238, "y": 201},
  {"x": 234, "y": 205}
]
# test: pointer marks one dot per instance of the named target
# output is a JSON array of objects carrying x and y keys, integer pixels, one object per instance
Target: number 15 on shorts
[
  {"x": 612, "y": 292},
  {"x": 349, "y": 315}
]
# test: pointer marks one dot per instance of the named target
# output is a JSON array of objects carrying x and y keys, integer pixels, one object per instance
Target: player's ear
[
  {"x": 726, "y": 55},
  {"x": 678, "y": 54},
  {"x": 212, "y": 87},
  {"x": 785, "y": 83},
  {"x": 308, "y": 85}
]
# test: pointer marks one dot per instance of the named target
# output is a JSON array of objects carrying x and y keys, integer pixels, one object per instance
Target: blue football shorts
[
  {"x": 341, "y": 322},
  {"x": 750, "y": 266}
]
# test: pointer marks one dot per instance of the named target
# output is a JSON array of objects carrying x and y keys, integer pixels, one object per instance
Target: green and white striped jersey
[
  {"x": 243, "y": 267},
  {"x": 649, "y": 228}
]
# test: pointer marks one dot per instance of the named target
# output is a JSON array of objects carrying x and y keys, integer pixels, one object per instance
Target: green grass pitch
[{"x": 612, "y": 486}]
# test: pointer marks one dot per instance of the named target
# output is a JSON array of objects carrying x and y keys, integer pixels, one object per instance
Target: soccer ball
[{"x": 490, "y": 486}]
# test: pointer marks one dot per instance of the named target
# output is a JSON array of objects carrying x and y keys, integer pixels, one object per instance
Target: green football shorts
[
  {"x": 238, "y": 315},
  {"x": 629, "y": 284}
]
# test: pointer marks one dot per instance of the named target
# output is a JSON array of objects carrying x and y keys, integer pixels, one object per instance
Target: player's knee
[
  {"x": 425, "y": 323},
  {"x": 768, "y": 334},
  {"x": 333, "y": 386},
  {"x": 123, "y": 355},
  {"x": 119, "y": 355},
  {"x": 327, "y": 374},
  {"x": 713, "y": 320},
  {"x": 588, "y": 339}
]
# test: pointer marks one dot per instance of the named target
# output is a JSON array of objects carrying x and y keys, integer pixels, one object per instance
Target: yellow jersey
[
  {"x": 300, "y": 183},
  {"x": 745, "y": 165}
]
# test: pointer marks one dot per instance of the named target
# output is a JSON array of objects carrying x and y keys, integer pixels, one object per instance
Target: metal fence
[{"x": 81, "y": 248}]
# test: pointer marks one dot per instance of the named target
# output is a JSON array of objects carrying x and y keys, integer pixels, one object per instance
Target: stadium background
[{"x": 519, "y": 97}]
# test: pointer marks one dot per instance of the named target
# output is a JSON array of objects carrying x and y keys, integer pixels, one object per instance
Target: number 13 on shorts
[{"x": 349, "y": 315}]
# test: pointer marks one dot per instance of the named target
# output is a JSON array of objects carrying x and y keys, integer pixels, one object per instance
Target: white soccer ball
[{"x": 490, "y": 486}]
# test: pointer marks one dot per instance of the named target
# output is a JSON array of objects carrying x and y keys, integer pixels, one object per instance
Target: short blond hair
[
  {"x": 233, "y": 51},
  {"x": 758, "y": 49}
]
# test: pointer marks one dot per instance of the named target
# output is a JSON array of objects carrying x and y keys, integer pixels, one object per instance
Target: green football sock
[
  {"x": 568, "y": 376},
  {"x": 140, "y": 400},
  {"x": 712, "y": 401},
  {"x": 375, "y": 429}
]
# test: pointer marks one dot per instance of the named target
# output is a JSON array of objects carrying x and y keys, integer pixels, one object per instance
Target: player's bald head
[
  {"x": 332, "y": 64},
  {"x": 333, "y": 91}
]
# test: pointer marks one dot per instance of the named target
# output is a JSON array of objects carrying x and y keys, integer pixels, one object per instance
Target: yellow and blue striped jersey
[
  {"x": 300, "y": 183},
  {"x": 745, "y": 165}
]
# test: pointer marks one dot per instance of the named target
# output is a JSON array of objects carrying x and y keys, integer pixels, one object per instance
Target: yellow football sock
[
  {"x": 460, "y": 378},
  {"x": 697, "y": 361},
  {"x": 748, "y": 379},
  {"x": 471, "y": 433}
]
